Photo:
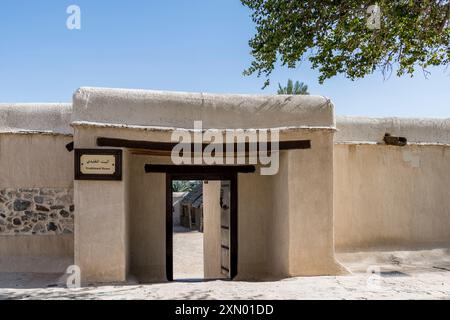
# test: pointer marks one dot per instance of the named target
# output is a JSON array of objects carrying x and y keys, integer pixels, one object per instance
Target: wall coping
[
  {"x": 154, "y": 111},
  {"x": 149, "y": 108},
  {"x": 420, "y": 131},
  {"x": 35, "y": 118}
]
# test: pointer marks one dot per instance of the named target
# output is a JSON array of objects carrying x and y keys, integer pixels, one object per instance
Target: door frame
[
  {"x": 233, "y": 217},
  {"x": 197, "y": 172}
]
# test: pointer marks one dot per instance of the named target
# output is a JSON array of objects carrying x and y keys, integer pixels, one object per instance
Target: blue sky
[{"x": 196, "y": 45}]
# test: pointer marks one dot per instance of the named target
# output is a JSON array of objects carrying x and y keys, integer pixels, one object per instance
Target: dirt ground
[
  {"x": 187, "y": 263},
  {"x": 421, "y": 274}
]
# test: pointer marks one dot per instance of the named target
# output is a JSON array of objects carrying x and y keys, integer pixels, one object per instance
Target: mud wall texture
[
  {"x": 36, "y": 202},
  {"x": 391, "y": 197}
]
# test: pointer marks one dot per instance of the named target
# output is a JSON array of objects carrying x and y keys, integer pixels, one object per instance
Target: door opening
[
  {"x": 228, "y": 206},
  {"x": 188, "y": 211},
  {"x": 185, "y": 227}
]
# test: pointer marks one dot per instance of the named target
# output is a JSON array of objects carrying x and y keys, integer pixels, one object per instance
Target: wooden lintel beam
[
  {"x": 198, "y": 169},
  {"x": 168, "y": 146}
]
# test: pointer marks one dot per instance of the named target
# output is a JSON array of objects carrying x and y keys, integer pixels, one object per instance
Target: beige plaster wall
[
  {"x": 120, "y": 225},
  {"x": 285, "y": 221},
  {"x": 177, "y": 198},
  {"x": 254, "y": 210},
  {"x": 37, "y": 254},
  {"x": 35, "y": 161},
  {"x": 147, "y": 221},
  {"x": 278, "y": 233},
  {"x": 391, "y": 197},
  {"x": 301, "y": 225},
  {"x": 311, "y": 227},
  {"x": 101, "y": 222},
  {"x": 298, "y": 206}
]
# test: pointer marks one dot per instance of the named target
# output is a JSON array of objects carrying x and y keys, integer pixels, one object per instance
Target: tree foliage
[
  {"x": 334, "y": 36},
  {"x": 293, "y": 88},
  {"x": 183, "y": 185}
]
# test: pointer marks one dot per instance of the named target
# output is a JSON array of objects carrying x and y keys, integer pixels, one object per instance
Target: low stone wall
[{"x": 36, "y": 211}]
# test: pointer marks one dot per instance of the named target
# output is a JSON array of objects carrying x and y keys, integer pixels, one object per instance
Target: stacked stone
[{"x": 36, "y": 211}]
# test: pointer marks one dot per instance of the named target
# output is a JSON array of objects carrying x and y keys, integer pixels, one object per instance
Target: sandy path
[
  {"x": 187, "y": 254},
  {"x": 428, "y": 285},
  {"x": 404, "y": 275}
]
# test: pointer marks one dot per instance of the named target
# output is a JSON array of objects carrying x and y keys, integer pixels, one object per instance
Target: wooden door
[{"x": 225, "y": 215}]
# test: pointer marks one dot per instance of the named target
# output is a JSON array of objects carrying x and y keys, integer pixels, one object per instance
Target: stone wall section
[{"x": 36, "y": 211}]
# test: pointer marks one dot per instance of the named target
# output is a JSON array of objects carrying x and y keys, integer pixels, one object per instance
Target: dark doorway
[{"x": 229, "y": 176}]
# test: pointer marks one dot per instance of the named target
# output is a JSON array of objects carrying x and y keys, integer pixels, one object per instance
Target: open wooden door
[{"x": 225, "y": 210}]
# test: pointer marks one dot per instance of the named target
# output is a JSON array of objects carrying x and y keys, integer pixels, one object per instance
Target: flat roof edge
[
  {"x": 415, "y": 130},
  {"x": 182, "y": 109}
]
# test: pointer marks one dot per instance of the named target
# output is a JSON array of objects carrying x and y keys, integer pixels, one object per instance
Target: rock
[
  {"x": 64, "y": 214},
  {"x": 58, "y": 207},
  {"x": 13, "y": 194},
  {"x": 51, "y": 226},
  {"x": 21, "y": 205},
  {"x": 39, "y": 227},
  {"x": 42, "y": 208},
  {"x": 30, "y": 214},
  {"x": 46, "y": 192},
  {"x": 39, "y": 199},
  {"x": 36, "y": 211}
]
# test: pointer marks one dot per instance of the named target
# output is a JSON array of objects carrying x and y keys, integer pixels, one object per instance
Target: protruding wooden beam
[
  {"x": 168, "y": 146},
  {"x": 198, "y": 169}
]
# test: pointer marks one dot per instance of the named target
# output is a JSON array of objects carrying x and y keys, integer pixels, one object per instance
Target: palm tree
[{"x": 291, "y": 88}]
